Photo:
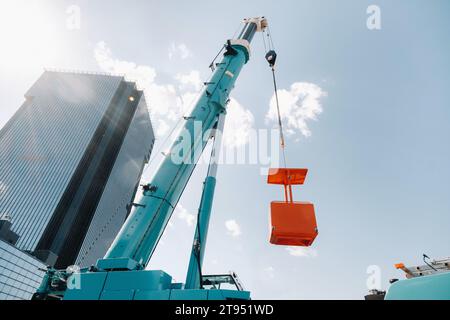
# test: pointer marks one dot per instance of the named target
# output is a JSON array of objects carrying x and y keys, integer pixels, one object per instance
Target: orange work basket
[{"x": 293, "y": 223}]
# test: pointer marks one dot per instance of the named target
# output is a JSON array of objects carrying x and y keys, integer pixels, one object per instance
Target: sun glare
[{"x": 28, "y": 34}]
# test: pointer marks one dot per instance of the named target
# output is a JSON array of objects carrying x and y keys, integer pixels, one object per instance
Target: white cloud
[
  {"x": 183, "y": 214},
  {"x": 168, "y": 102},
  {"x": 270, "y": 272},
  {"x": 179, "y": 50},
  {"x": 298, "y": 105},
  {"x": 238, "y": 125},
  {"x": 143, "y": 75},
  {"x": 302, "y": 252},
  {"x": 164, "y": 100},
  {"x": 191, "y": 80},
  {"x": 162, "y": 128},
  {"x": 233, "y": 228}
]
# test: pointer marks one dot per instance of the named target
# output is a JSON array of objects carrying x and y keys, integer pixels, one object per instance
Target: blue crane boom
[
  {"x": 194, "y": 274},
  {"x": 121, "y": 273},
  {"x": 145, "y": 225}
]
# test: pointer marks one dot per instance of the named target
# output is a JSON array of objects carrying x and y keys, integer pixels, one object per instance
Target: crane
[{"x": 121, "y": 273}]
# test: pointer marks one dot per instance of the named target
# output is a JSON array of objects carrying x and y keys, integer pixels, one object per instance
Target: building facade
[
  {"x": 71, "y": 159},
  {"x": 20, "y": 273}
]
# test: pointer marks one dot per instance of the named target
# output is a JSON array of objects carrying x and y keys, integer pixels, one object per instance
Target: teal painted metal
[
  {"x": 189, "y": 294},
  {"x": 141, "y": 232},
  {"x": 91, "y": 287},
  {"x": 194, "y": 275},
  {"x": 120, "y": 274},
  {"x": 198, "y": 250},
  {"x": 431, "y": 287},
  {"x": 150, "y": 280},
  {"x": 141, "y": 285},
  {"x": 118, "y": 263},
  {"x": 117, "y": 284},
  {"x": 152, "y": 295}
]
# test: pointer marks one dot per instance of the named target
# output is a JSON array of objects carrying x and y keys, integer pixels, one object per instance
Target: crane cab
[{"x": 292, "y": 223}]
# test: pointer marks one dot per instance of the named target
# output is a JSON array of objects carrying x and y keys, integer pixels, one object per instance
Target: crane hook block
[
  {"x": 293, "y": 223},
  {"x": 271, "y": 57}
]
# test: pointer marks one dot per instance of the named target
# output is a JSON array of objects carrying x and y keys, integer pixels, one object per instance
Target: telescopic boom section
[{"x": 139, "y": 236}]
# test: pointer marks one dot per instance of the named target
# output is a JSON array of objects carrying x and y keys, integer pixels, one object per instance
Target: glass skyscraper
[
  {"x": 70, "y": 163},
  {"x": 20, "y": 273}
]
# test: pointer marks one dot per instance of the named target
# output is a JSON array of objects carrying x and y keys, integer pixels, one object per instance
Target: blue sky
[{"x": 378, "y": 153}]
